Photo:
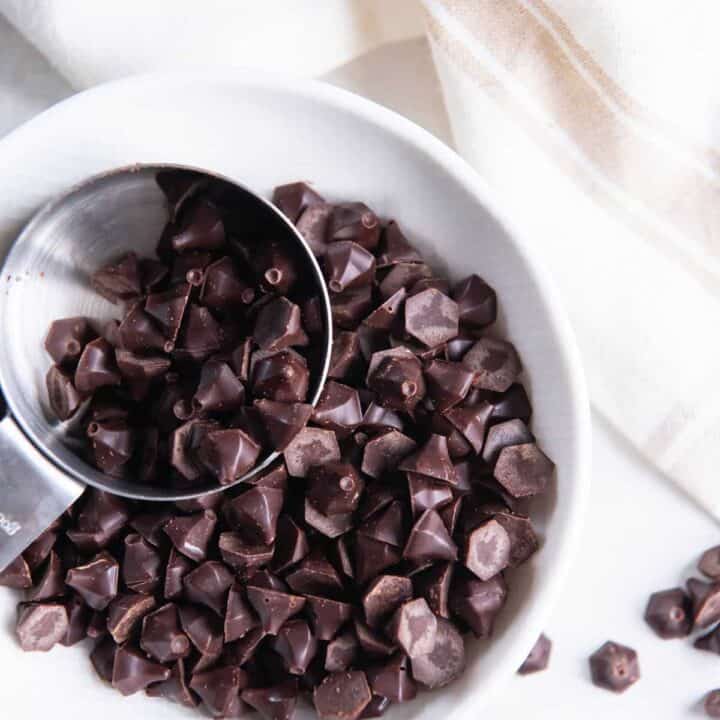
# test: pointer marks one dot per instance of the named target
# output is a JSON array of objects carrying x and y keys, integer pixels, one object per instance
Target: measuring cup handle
[{"x": 33, "y": 492}]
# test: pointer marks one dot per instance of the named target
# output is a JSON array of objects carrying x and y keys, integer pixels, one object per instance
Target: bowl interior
[
  {"x": 48, "y": 276},
  {"x": 264, "y": 131}
]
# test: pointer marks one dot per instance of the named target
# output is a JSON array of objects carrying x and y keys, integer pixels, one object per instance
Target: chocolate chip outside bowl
[
  {"x": 66, "y": 241},
  {"x": 269, "y": 130}
]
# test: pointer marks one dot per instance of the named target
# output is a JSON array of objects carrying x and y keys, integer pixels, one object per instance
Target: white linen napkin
[{"x": 596, "y": 122}]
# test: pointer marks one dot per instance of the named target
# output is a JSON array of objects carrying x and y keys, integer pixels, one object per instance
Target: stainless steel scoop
[{"x": 46, "y": 276}]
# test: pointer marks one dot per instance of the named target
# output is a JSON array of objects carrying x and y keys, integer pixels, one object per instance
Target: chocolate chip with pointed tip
[
  {"x": 476, "y": 301},
  {"x": 472, "y": 422},
  {"x": 348, "y": 266},
  {"x": 132, "y": 671},
  {"x": 392, "y": 679},
  {"x": 495, "y": 363},
  {"x": 351, "y": 306},
  {"x": 239, "y": 618},
  {"x": 331, "y": 526},
  {"x": 291, "y": 544},
  {"x": 125, "y": 613},
  {"x": 142, "y": 565},
  {"x": 383, "y": 596},
  {"x": 342, "y": 696},
  {"x": 168, "y": 308},
  {"x": 354, "y": 221},
  {"x": 296, "y": 645},
  {"x": 228, "y": 454},
  {"x": 96, "y": 367},
  {"x": 161, "y": 636},
  {"x": 387, "y": 525},
  {"x": 241, "y": 555},
  {"x": 119, "y": 280},
  {"x": 279, "y": 325},
  {"x": 16, "y": 574},
  {"x": 669, "y": 613},
  {"x": 426, "y": 493},
  {"x": 34, "y": 555},
  {"x": 282, "y": 421},
  {"x": 395, "y": 247},
  {"x": 334, "y": 488},
  {"x": 102, "y": 658},
  {"x": 219, "y": 688},
  {"x": 177, "y": 567},
  {"x": 429, "y": 540},
  {"x": 175, "y": 688},
  {"x": 63, "y": 397},
  {"x": 200, "y": 335},
  {"x": 274, "y": 608},
  {"x": 96, "y": 581},
  {"x": 478, "y": 603},
  {"x": 51, "y": 583},
  {"x": 384, "y": 452},
  {"x": 614, "y": 667},
  {"x": 538, "y": 658},
  {"x": 292, "y": 199},
  {"x": 341, "y": 652},
  {"x": 255, "y": 513},
  {"x": 203, "y": 628},
  {"x": 372, "y": 557},
  {"x": 282, "y": 376},
  {"x": 208, "y": 584},
  {"x": 223, "y": 289},
  {"x": 432, "y": 460},
  {"x": 403, "y": 274},
  {"x": 447, "y": 383},
  {"x": 311, "y": 446},
  {"x": 431, "y": 317},
  {"x": 66, "y": 339},
  {"x": 191, "y": 534},
  {"x": 433, "y": 584},
  {"x": 345, "y": 359}
]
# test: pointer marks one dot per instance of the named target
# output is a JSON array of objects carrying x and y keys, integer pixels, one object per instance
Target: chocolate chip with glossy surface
[{"x": 614, "y": 667}]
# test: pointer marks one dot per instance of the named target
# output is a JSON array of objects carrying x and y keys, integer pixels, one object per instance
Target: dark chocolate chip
[
  {"x": 377, "y": 707},
  {"x": 403, "y": 274},
  {"x": 291, "y": 544},
  {"x": 201, "y": 228},
  {"x": 710, "y": 641},
  {"x": 348, "y": 266},
  {"x": 51, "y": 583},
  {"x": 396, "y": 376},
  {"x": 426, "y": 493},
  {"x": 177, "y": 567},
  {"x": 709, "y": 563},
  {"x": 16, "y": 574},
  {"x": 63, "y": 397},
  {"x": 219, "y": 689},
  {"x": 191, "y": 534},
  {"x": 431, "y": 317},
  {"x": 276, "y": 270},
  {"x": 168, "y": 308},
  {"x": 450, "y": 514},
  {"x": 255, "y": 513},
  {"x": 200, "y": 335},
  {"x": 142, "y": 565},
  {"x": 392, "y": 679},
  {"x": 293, "y": 199},
  {"x": 433, "y": 584},
  {"x": 495, "y": 363},
  {"x": 478, "y": 602},
  {"x": 523, "y": 470},
  {"x": 161, "y": 636},
  {"x": 384, "y": 452},
  {"x": 331, "y": 526},
  {"x": 476, "y": 301},
  {"x": 429, "y": 540},
  {"x": 223, "y": 289},
  {"x": 445, "y": 661},
  {"x": 175, "y": 688},
  {"x": 377, "y": 417},
  {"x": 208, "y": 585},
  {"x": 112, "y": 442},
  {"x": 228, "y": 454},
  {"x": 614, "y": 667},
  {"x": 386, "y": 316},
  {"x": 239, "y": 618},
  {"x": 334, "y": 488},
  {"x": 711, "y": 704},
  {"x": 34, "y": 554},
  {"x": 705, "y": 599},
  {"x": 472, "y": 421},
  {"x": 311, "y": 446},
  {"x": 203, "y": 628},
  {"x": 354, "y": 221},
  {"x": 102, "y": 658},
  {"x": 338, "y": 409},
  {"x": 40, "y": 626},
  {"x": 96, "y": 581},
  {"x": 296, "y": 645},
  {"x": 487, "y": 549},
  {"x": 538, "y": 658},
  {"x": 132, "y": 671},
  {"x": 278, "y": 326},
  {"x": 502, "y": 435},
  {"x": 395, "y": 248},
  {"x": 66, "y": 340},
  {"x": 96, "y": 367},
  {"x": 315, "y": 576},
  {"x": 387, "y": 525},
  {"x": 241, "y": 555},
  {"x": 372, "y": 557},
  {"x": 342, "y": 696},
  {"x": 341, "y": 652},
  {"x": 274, "y": 608},
  {"x": 351, "y": 306},
  {"x": 281, "y": 376},
  {"x": 125, "y": 613},
  {"x": 383, "y": 596},
  {"x": 118, "y": 280},
  {"x": 447, "y": 383},
  {"x": 432, "y": 460}
]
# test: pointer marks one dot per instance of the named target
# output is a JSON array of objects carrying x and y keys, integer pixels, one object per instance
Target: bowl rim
[{"x": 547, "y": 592}]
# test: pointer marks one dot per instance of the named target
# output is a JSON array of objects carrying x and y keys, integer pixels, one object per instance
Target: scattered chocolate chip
[
  {"x": 395, "y": 248},
  {"x": 396, "y": 376},
  {"x": 241, "y": 555},
  {"x": 377, "y": 707},
  {"x": 239, "y": 618},
  {"x": 34, "y": 555},
  {"x": 431, "y": 317},
  {"x": 133, "y": 672},
  {"x": 472, "y": 422},
  {"x": 142, "y": 565},
  {"x": 282, "y": 376},
  {"x": 538, "y": 658},
  {"x": 384, "y": 452},
  {"x": 372, "y": 557},
  {"x": 63, "y": 397},
  {"x": 523, "y": 470},
  {"x": 348, "y": 266},
  {"x": 710, "y": 641},
  {"x": 102, "y": 658},
  {"x": 426, "y": 493},
  {"x": 311, "y": 446},
  {"x": 669, "y": 613},
  {"x": 386, "y": 526},
  {"x": 296, "y": 645},
  {"x": 177, "y": 567},
  {"x": 502, "y": 435},
  {"x": 705, "y": 599},
  {"x": 96, "y": 367},
  {"x": 614, "y": 667},
  {"x": 334, "y": 488}
]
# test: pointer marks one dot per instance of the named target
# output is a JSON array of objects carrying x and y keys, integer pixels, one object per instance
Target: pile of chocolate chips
[
  {"x": 350, "y": 570},
  {"x": 185, "y": 387},
  {"x": 678, "y": 612}
]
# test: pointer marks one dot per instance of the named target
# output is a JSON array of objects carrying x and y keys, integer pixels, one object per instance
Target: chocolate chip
[
  {"x": 208, "y": 585},
  {"x": 118, "y": 280},
  {"x": 41, "y": 625},
  {"x": 342, "y": 696},
  {"x": 372, "y": 557},
  {"x": 200, "y": 334},
  {"x": 291, "y": 544},
  {"x": 275, "y": 268},
  {"x": 168, "y": 309},
  {"x": 505, "y": 434},
  {"x": 348, "y": 266},
  {"x": 614, "y": 667},
  {"x": 426, "y": 493},
  {"x": 377, "y": 707},
  {"x": 334, "y": 488},
  {"x": 403, "y": 275},
  {"x": 447, "y": 383},
  {"x": 34, "y": 555},
  {"x": 432, "y": 460},
  {"x": 203, "y": 629},
  {"x": 538, "y": 658},
  {"x": 296, "y": 645},
  {"x": 487, "y": 550},
  {"x": 278, "y": 326},
  {"x": 241, "y": 555},
  {"x": 311, "y": 446},
  {"x": 386, "y": 316},
  {"x": 523, "y": 470},
  {"x": 711, "y": 704},
  {"x": 96, "y": 581},
  {"x": 354, "y": 221},
  {"x": 315, "y": 576},
  {"x": 669, "y": 613},
  {"x": 177, "y": 567},
  {"x": 434, "y": 585},
  {"x": 478, "y": 603},
  {"x": 293, "y": 199},
  {"x": 255, "y": 513},
  {"x": 476, "y": 301},
  {"x": 112, "y": 442},
  {"x": 312, "y": 225},
  {"x": 386, "y": 526},
  {"x": 276, "y": 702},
  {"x": 201, "y": 228},
  {"x": 351, "y": 306},
  {"x": 395, "y": 248},
  {"x": 274, "y": 608},
  {"x": 338, "y": 409},
  {"x": 191, "y": 534},
  {"x": 222, "y": 288},
  {"x": 175, "y": 688},
  {"x": 384, "y": 452},
  {"x": 709, "y": 563},
  {"x": 282, "y": 376},
  {"x": 239, "y": 618},
  {"x": 396, "y": 376},
  {"x": 51, "y": 583},
  {"x": 219, "y": 688},
  {"x": 383, "y": 596},
  {"x": 429, "y": 540},
  {"x": 102, "y": 658},
  {"x": 133, "y": 672},
  {"x": 431, "y": 317},
  {"x": 228, "y": 454},
  {"x": 495, "y": 363},
  {"x": 142, "y": 565},
  {"x": 705, "y": 599},
  {"x": 16, "y": 574},
  {"x": 96, "y": 367},
  {"x": 66, "y": 340},
  {"x": 472, "y": 422},
  {"x": 377, "y": 418},
  {"x": 341, "y": 652},
  {"x": 125, "y": 612},
  {"x": 64, "y": 398},
  {"x": 161, "y": 636},
  {"x": 445, "y": 661},
  {"x": 392, "y": 680}
]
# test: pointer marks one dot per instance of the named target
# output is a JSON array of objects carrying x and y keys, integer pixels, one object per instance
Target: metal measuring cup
[{"x": 45, "y": 276}]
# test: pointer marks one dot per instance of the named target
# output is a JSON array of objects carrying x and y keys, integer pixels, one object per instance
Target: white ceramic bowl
[{"x": 264, "y": 130}]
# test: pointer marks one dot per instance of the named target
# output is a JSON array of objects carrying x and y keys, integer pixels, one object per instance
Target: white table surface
[{"x": 641, "y": 534}]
